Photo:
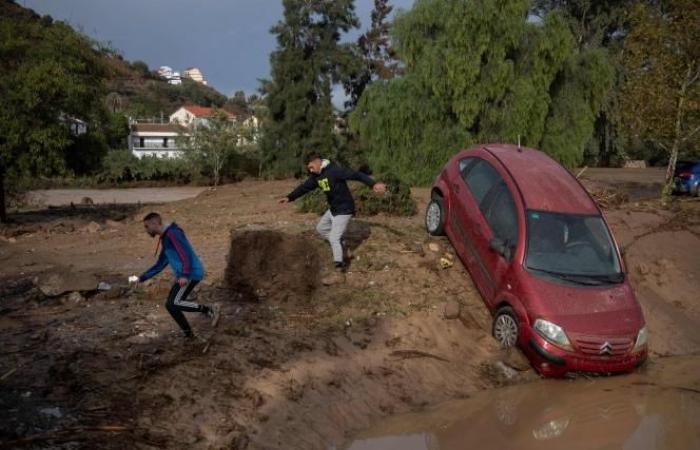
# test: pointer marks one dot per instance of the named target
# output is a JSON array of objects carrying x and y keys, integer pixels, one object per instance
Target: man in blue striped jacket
[{"x": 188, "y": 269}]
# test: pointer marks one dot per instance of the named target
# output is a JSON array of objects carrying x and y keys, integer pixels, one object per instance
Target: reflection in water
[{"x": 654, "y": 411}]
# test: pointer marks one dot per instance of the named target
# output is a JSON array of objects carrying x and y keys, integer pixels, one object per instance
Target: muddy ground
[{"x": 292, "y": 364}]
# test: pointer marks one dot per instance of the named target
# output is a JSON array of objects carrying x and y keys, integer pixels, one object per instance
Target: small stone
[
  {"x": 76, "y": 297},
  {"x": 445, "y": 263},
  {"x": 514, "y": 359},
  {"x": 451, "y": 310},
  {"x": 113, "y": 223},
  {"x": 12, "y": 240},
  {"x": 52, "y": 412},
  {"x": 433, "y": 247},
  {"x": 92, "y": 227},
  {"x": 643, "y": 269}
]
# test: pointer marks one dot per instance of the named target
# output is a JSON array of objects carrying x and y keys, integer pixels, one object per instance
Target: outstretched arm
[
  {"x": 356, "y": 175},
  {"x": 157, "y": 268},
  {"x": 304, "y": 188}
]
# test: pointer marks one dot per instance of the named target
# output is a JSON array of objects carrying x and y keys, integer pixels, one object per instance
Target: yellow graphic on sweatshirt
[{"x": 324, "y": 185}]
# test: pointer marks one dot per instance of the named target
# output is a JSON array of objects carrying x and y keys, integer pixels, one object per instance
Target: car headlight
[
  {"x": 553, "y": 333},
  {"x": 642, "y": 338}
]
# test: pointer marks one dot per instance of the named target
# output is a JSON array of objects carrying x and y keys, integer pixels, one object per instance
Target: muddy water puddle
[{"x": 656, "y": 408}]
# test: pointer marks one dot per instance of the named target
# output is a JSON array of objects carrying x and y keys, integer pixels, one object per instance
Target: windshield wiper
[
  {"x": 585, "y": 280},
  {"x": 608, "y": 277}
]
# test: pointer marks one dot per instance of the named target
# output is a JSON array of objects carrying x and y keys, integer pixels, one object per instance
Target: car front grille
[{"x": 603, "y": 346}]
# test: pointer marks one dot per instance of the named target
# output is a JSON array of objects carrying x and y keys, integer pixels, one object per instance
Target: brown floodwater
[{"x": 653, "y": 409}]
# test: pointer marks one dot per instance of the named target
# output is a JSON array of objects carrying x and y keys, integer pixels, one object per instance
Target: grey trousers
[{"x": 332, "y": 229}]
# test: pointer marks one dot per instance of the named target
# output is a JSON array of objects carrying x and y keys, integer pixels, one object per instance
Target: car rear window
[{"x": 480, "y": 178}]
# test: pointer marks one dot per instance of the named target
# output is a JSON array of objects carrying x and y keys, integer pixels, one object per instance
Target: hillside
[{"x": 131, "y": 87}]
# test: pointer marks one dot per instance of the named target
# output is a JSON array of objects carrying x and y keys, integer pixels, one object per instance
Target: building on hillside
[
  {"x": 252, "y": 125},
  {"x": 165, "y": 71},
  {"x": 173, "y": 77},
  {"x": 156, "y": 139},
  {"x": 194, "y": 74},
  {"x": 192, "y": 115}
]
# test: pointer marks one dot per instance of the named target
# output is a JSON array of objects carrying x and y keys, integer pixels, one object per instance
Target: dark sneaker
[{"x": 214, "y": 314}]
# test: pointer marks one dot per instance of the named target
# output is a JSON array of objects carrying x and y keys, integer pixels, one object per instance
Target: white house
[
  {"x": 191, "y": 115},
  {"x": 194, "y": 74},
  {"x": 170, "y": 75},
  {"x": 156, "y": 139}
]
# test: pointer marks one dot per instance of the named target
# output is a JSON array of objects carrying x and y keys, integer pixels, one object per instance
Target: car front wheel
[
  {"x": 435, "y": 217},
  {"x": 506, "y": 328}
]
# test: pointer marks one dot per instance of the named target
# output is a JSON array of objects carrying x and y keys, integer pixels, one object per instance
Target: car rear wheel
[
  {"x": 506, "y": 328},
  {"x": 435, "y": 216}
]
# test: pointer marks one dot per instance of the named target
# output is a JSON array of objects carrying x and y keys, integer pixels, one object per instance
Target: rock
[
  {"x": 102, "y": 286},
  {"x": 143, "y": 337},
  {"x": 12, "y": 240},
  {"x": 514, "y": 359},
  {"x": 113, "y": 223},
  {"x": 643, "y": 269},
  {"x": 505, "y": 371},
  {"x": 434, "y": 247},
  {"x": 445, "y": 263},
  {"x": 58, "y": 283},
  {"x": 76, "y": 297},
  {"x": 451, "y": 310},
  {"x": 54, "y": 412},
  {"x": 92, "y": 227}
]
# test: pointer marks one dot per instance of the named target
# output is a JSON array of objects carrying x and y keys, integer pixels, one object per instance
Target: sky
[{"x": 229, "y": 40}]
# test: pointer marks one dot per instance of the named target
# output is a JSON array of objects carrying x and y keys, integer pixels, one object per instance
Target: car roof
[{"x": 544, "y": 183}]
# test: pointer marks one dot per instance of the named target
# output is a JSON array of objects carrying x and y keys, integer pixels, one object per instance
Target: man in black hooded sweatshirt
[{"x": 332, "y": 179}]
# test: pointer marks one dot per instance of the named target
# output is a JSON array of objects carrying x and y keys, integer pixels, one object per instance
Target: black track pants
[{"x": 177, "y": 303}]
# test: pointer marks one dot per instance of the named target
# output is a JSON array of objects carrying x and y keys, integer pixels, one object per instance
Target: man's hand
[
  {"x": 182, "y": 281},
  {"x": 133, "y": 280},
  {"x": 283, "y": 200},
  {"x": 379, "y": 188}
]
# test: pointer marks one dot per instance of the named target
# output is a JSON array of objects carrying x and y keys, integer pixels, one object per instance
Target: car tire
[
  {"x": 506, "y": 328},
  {"x": 435, "y": 216}
]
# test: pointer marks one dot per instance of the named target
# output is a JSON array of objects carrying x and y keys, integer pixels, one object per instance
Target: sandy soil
[
  {"x": 292, "y": 364},
  {"x": 62, "y": 197}
]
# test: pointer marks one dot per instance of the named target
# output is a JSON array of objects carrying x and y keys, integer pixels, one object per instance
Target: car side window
[
  {"x": 465, "y": 164},
  {"x": 501, "y": 214},
  {"x": 481, "y": 177}
]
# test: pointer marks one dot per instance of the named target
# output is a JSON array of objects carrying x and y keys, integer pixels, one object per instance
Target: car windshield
[{"x": 576, "y": 248}]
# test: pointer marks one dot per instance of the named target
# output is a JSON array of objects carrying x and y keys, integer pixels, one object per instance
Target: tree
[
  {"x": 50, "y": 74},
  {"x": 595, "y": 24},
  {"x": 308, "y": 62},
  {"x": 661, "y": 94},
  {"x": 480, "y": 72},
  {"x": 376, "y": 54},
  {"x": 213, "y": 142}
]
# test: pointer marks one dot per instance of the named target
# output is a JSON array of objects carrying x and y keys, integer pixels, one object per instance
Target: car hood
[{"x": 609, "y": 310}]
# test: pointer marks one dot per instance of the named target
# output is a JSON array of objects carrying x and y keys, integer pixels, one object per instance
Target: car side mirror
[{"x": 501, "y": 247}]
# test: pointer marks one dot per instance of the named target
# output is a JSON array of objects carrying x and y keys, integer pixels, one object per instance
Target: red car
[{"x": 542, "y": 256}]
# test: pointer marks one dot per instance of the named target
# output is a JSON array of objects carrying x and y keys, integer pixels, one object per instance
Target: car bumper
[
  {"x": 685, "y": 186},
  {"x": 552, "y": 361}
]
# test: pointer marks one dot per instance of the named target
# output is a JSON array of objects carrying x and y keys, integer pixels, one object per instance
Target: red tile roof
[{"x": 202, "y": 111}]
